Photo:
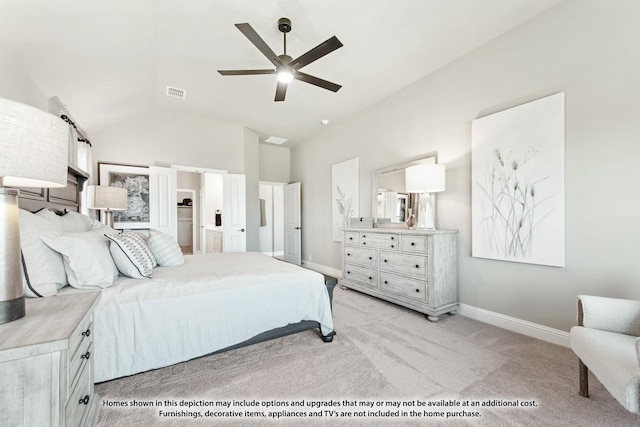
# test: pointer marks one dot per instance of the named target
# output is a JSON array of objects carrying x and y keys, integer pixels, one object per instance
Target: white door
[
  {"x": 203, "y": 214},
  {"x": 234, "y": 213},
  {"x": 292, "y": 224},
  {"x": 163, "y": 186}
]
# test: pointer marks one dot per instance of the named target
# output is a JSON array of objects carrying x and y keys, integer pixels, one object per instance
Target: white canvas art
[
  {"x": 518, "y": 183},
  {"x": 344, "y": 195}
]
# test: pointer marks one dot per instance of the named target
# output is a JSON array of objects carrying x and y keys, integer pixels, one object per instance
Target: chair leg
[{"x": 584, "y": 379}]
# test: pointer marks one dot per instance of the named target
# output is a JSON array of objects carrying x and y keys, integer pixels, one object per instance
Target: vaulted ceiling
[{"x": 112, "y": 60}]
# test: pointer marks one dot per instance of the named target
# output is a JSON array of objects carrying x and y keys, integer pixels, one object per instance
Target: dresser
[
  {"x": 413, "y": 268},
  {"x": 46, "y": 363}
]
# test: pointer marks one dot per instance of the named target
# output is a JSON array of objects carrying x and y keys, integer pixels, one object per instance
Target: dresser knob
[
  {"x": 364, "y": 236},
  {"x": 87, "y": 355},
  {"x": 392, "y": 238},
  {"x": 348, "y": 254},
  {"x": 413, "y": 243},
  {"x": 418, "y": 290},
  {"x": 385, "y": 260},
  {"x": 392, "y": 246},
  {"x": 348, "y": 272},
  {"x": 417, "y": 266},
  {"x": 350, "y": 238},
  {"x": 370, "y": 258},
  {"x": 370, "y": 278},
  {"x": 386, "y": 283},
  {"x": 364, "y": 243},
  {"x": 86, "y": 333},
  {"x": 84, "y": 400}
]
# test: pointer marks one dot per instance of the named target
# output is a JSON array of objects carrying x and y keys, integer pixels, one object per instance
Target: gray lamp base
[
  {"x": 12, "y": 310},
  {"x": 11, "y": 292}
]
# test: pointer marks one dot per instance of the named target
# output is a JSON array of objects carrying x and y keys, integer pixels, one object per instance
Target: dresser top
[
  {"x": 393, "y": 230},
  {"x": 49, "y": 320}
]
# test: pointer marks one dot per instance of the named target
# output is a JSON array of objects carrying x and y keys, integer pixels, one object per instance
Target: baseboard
[
  {"x": 530, "y": 329},
  {"x": 322, "y": 268}
]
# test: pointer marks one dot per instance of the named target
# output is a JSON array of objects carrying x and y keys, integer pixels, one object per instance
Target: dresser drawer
[
  {"x": 403, "y": 286},
  {"x": 80, "y": 400},
  {"x": 379, "y": 241},
  {"x": 351, "y": 238},
  {"x": 402, "y": 263},
  {"x": 362, "y": 275},
  {"x": 414, "y": 244},
  {"x": 360, "y": 256}
]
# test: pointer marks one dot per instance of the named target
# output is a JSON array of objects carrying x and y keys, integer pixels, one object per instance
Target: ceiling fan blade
[
  {"x": 316, "y": 81},
  {"x": 281, "y": 91},
  {"x": 254, "y": 38},
  {"x": 317, "y": 52},
  {"x": 245, "y": 72}
]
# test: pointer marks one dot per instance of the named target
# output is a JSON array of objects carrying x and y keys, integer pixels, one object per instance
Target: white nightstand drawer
[{"x": 80, "y": 399}]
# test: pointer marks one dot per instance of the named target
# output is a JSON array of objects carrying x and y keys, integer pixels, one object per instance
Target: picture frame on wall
[
  {"x": 518, "y": 183},
  {"x": 344, "y": 196},
  {"x": 136, "y": 180}
]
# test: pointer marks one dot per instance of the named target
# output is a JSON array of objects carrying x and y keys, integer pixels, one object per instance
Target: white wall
[
  {"x": 586, "y": 48},
  {"x": 274, "y": 163}
]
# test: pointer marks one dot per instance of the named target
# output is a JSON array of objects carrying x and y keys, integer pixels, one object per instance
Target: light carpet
[{"x": 383, "y": 353}]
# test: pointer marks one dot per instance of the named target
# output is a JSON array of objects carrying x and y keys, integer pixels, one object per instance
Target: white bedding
[{"x": 211, "y": 302}]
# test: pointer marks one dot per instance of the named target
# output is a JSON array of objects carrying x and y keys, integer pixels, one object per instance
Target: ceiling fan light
[{"x": 285, "y": 75}]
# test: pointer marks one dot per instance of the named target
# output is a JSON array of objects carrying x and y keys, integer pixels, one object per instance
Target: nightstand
[{"x": 46, "y": 363}]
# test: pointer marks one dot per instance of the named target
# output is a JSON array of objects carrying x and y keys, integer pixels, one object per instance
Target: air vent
[{"x": 174, "y": 92}]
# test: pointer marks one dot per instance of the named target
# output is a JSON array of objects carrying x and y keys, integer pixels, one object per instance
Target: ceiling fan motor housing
[{"x": 284, "y": 25}]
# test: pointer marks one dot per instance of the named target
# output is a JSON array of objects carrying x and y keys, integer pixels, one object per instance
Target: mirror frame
[{"x": 395, "y": 168}]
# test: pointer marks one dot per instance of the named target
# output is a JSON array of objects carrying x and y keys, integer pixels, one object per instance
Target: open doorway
[
  {"x": 187, "y": 220},
  {"x": 271, "y": 231}
]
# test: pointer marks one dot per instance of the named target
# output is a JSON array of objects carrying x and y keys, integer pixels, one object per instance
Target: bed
[{"x": 211, "y": 303}]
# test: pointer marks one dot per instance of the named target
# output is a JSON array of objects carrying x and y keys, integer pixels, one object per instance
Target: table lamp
[
  {"x": 107, "y": 200},
  {"x": 34, "y": 148},
  {"x": 425, "y": 180}
]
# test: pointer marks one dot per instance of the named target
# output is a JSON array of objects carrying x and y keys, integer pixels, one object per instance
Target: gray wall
[{"x": 586, "y": 48}]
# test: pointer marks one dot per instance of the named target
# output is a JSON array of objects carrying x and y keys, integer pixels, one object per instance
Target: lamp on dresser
[
  {"x": 425, "y": 180},
  {"x": 106, "y": 199},
  {"x": 34, "y": 148}
]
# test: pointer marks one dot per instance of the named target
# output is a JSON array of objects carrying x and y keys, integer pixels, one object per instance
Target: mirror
[{"x": 390, "y": 201}]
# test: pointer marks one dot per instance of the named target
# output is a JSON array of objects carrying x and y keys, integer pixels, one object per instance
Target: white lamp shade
[
  {"x": 101, "y": 197},
  {"x": 34, "y": 146},
  {"x": 425, "y": 178}
]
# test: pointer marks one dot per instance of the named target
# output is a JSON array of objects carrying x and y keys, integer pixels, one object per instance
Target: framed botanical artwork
[
  {"x": 136, "y": 180},
  {"x": 344, "y": 195},
  {"x": 517, "y": 164}
]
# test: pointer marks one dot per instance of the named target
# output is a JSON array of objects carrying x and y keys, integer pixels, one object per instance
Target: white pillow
[
  {"x": 52, "y": 217},
  {"x": 132, "y": 255},
  {"x": 165, "y": 248},
  {"x": 86, "y": 256},
  {"x": 44, "y": 265},
  {"x": 75, "y": 222}
]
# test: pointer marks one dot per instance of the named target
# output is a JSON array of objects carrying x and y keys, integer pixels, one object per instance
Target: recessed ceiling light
[
  {"x": 275, "y": 140},
  {"x": 324, "y": 122}
]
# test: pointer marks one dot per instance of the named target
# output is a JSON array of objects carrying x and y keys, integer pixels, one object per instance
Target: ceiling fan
[{"x": 287, "y": 68}]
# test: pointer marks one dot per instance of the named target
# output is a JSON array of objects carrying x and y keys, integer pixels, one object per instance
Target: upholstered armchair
[{"x": 607, "y": 344}]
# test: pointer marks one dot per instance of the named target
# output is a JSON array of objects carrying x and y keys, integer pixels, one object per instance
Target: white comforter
[{"x": 213, "y": 301}]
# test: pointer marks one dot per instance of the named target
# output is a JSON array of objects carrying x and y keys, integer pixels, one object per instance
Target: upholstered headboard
[{"x": 56, "y": 199}]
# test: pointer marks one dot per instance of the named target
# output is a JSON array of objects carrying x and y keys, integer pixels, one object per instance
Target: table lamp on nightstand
[
  {"x": 34, "y": 147},
  {"x": 107, "y": 200}
]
